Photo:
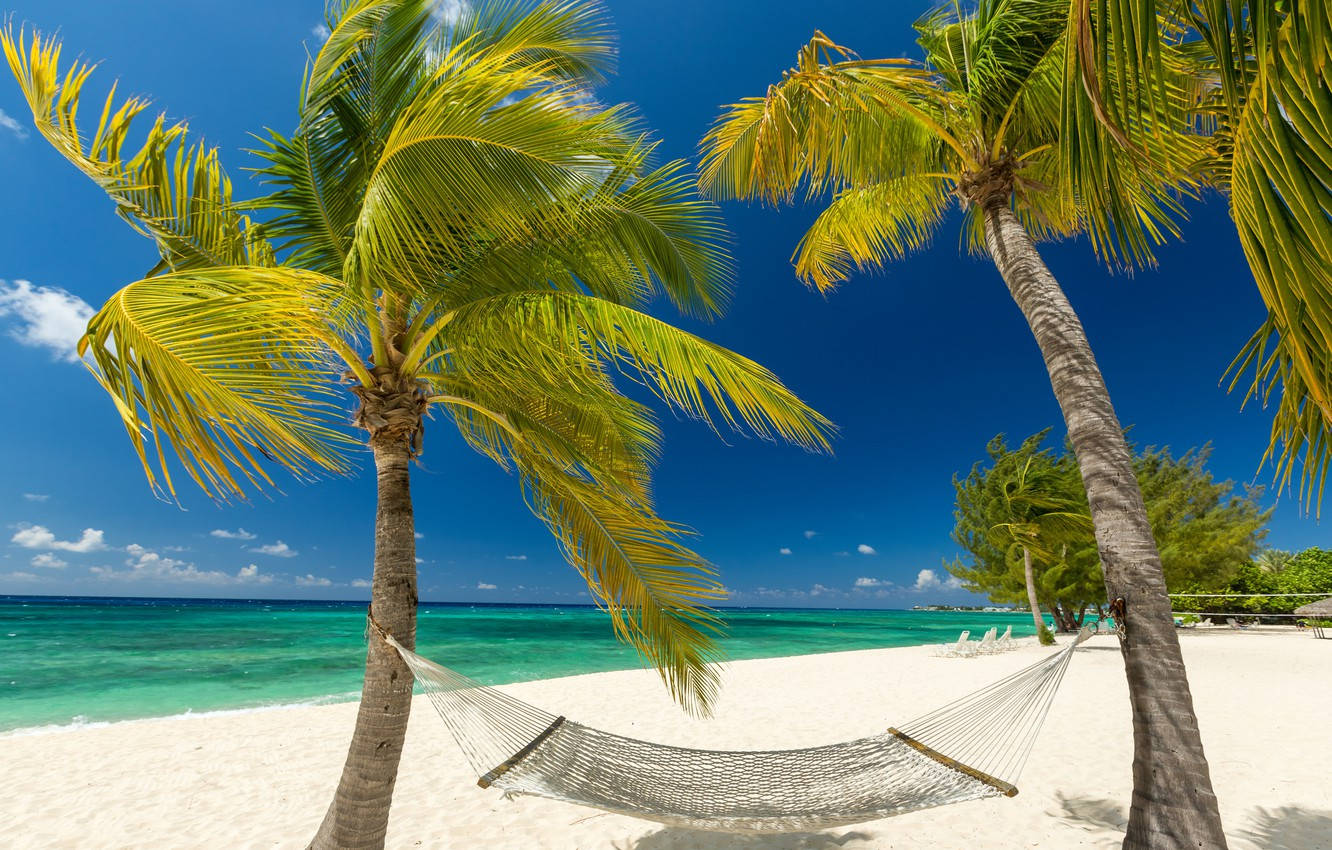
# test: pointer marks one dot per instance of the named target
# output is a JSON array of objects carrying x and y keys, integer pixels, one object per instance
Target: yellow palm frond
[
  {"x": 536, "y": 338},
  {"x": 173, "y": 191},
  {"x": 225, "y": 368},
  {"x": 869, "y": 227}
]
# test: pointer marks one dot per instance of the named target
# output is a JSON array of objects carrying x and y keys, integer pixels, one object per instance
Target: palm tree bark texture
[{"x": 1167, "y": 744}]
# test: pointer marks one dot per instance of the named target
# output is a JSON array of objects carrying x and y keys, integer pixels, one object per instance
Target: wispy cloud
[
  {"x": 40, "y": 537},
  {"x": 360, "y": 582},
  {"x": 784, "y": 551},
  {"x": 10, "y": 123},
  {"x": 36, "y": 497},
  {"x": 19, "y": 576},
  {"x": 45, "y": 317},
  {"x": 866, "y": 549},
  {"x": 481, "y": 585},
  {"x": 238, "y": 534},
  {"x": 449, "y": 11},
  {"x": 277, "y": 550},
  {"x": 321, "y": 32},
  {"x": 515, "y": 557},
  {"x": 868, "y": 581},
  {"x": 419, "y": 535},
  {"x": 930, "y": 580},
  {"x": 49, "y": 561},
  {"x": 310, "y": 580},
  {"x": 811, "y": 534},
  {"x": 146, "y": 565}
]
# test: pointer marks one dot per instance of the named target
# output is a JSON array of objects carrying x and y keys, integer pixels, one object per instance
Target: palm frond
[
  {"x": 871, "y": 226},
  {"x": 654, "y": 588},
  {"x": 225, "y": 368},
  {"x": 171, "y": 190},
  {"x": 1281, "y": 199},
  {"x": 832, "y": 122},
  {"x": 536, "y": 338},
  {"x": 570, "y": 40}
]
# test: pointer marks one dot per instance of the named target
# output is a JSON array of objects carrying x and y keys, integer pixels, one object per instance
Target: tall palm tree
[
  {"x": 457, "y": 228},
  {"x": 896, "y": 143}
]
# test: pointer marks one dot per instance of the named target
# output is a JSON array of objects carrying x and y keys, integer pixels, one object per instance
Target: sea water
[{"x": 89, "y": 660}]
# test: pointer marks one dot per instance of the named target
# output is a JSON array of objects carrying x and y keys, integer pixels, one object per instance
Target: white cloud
[
  {"x": 11, "y": 124},
  {"x": 515, "y": 557},
  {"x": 277, "y": 550},
  {"x": 19, "y": 576},
  {"x": 321, "y": 32},
  {"x": 420, "y": 560},
  {"x": 45, "y": 317},
  {"x": 481, "y": 585},
  {"x": 251, "y": 574},
  {"x": 821, "y": 590},
  {"x": 784, "y": 551},
  {"x": 360, "y": 582},
  {"x": 929, "y": 580},
  {"x": 238, "y": 534},
  {"x": 866, "y": 549},
  {"x": 810, "y": 535},
  {"x": 867, "y": 581},
  {"x": 36, "y": 497},
  {"x": 39, "y": 537},
  {"x": 309, "y": 580},
  {"x": 147, "y": 565},
  {"x": 419, "y": 535},
  {"x": 46, "y": 559}
]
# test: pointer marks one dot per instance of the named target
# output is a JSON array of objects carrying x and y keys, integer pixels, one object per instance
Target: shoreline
[{"x": 171, "y": 782}]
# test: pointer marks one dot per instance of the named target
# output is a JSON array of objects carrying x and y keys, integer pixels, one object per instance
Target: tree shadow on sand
[
  {"x": 1290, "y": 828},
  {"x": 1283, "y": 828},
  {"x": 674, "y": 838}
]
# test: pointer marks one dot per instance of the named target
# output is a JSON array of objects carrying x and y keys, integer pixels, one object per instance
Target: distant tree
[
  {"x": 1204, "y": 530},
  {"x": 1023, "y": 510},
  {"x": 1272, "y": 560},
  {"x": 1207, "y": 534},
  {"x": 1309, "y": 572}
]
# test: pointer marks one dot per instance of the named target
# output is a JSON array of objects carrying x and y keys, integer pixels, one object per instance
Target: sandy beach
[{"x": 263, "y": 778}]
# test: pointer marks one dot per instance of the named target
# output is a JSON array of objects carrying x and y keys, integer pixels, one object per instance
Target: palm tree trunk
[
  {"x": 1173, "y": 802},
  {"x": 1030, "y": 575},
  {"x": 358, "y": 815}
]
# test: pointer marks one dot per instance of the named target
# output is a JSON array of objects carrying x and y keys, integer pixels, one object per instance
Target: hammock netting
[{"x": 972, "y": 748}]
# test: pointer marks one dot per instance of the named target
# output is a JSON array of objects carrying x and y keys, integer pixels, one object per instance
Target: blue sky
[{"x": 919, "y": 366}]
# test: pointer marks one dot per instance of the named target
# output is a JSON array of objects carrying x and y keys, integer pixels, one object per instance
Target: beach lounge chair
[
  {"x": 962, "y": 649},
  {"x": 987, "y": 643},
  {"x": 1235, "y": 624},
  {"x": 1005, "y": 642}
]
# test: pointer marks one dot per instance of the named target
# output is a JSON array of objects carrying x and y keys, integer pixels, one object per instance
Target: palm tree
[
  {"x": 896, "y": 142},
  {"x": 458, "y": 228},
  {"x": 1039, "y": 519}
]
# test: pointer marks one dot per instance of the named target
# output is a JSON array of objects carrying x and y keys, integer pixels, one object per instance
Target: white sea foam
[{"x": 80, "y": 722}]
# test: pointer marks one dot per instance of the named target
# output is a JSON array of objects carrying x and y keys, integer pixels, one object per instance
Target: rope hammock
[{"x": 971, "y": 748}]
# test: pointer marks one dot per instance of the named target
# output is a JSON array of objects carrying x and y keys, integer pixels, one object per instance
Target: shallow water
[{"x": 87, "y": 660}]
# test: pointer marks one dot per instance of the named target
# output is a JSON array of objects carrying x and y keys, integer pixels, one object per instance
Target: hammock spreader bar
[
  {"x": 491, "y": 775},
  {"x": 1006, "y": 788}
]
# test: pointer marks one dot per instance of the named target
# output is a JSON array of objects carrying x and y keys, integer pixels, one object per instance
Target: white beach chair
[
  {"x": 1005, "y": 642},
  {"x": 962, "y": 649},
  {"x": 987, "y": 643}
]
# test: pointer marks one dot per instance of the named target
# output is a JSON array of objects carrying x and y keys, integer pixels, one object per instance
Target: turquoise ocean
[{"x": 88, "y": 660}]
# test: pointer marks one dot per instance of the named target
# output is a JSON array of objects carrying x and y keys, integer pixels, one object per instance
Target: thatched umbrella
[{"x": 1322, "y": 609}]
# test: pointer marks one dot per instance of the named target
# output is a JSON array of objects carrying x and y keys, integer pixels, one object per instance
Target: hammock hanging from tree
[{"x": 971, "y": 748}]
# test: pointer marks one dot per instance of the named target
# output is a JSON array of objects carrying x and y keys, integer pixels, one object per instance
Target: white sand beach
[{"x": 262, "y": 779}]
